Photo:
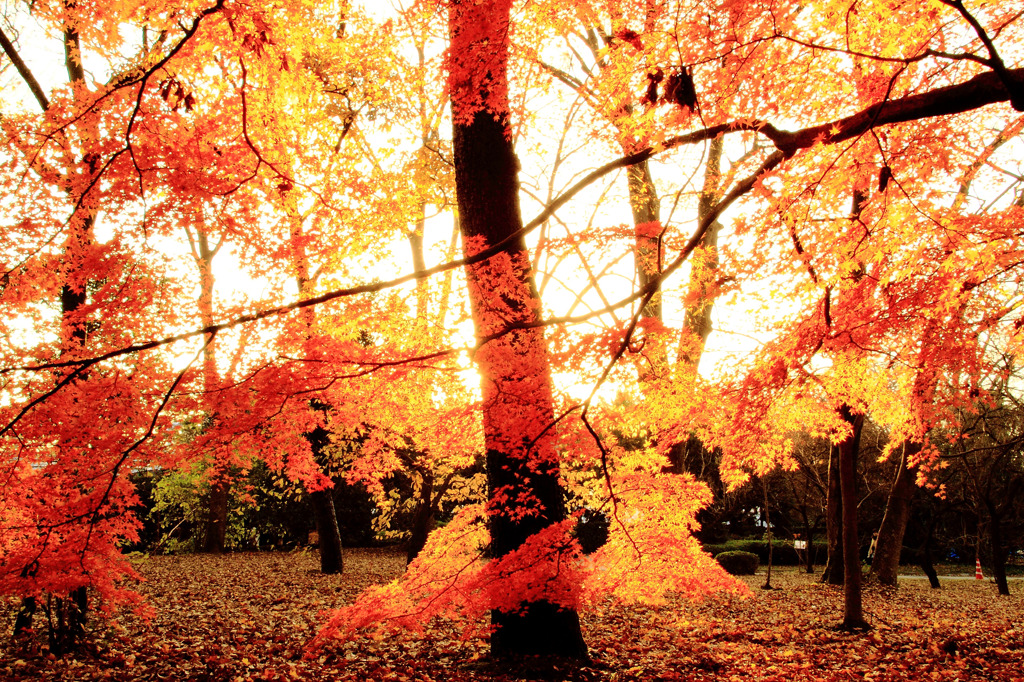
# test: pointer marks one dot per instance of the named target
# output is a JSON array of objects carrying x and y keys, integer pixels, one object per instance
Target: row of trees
[
  {"x": 844, "y": 173},
  {"x": 966, "y": 510},
  {"x": 951, "y": 521}
]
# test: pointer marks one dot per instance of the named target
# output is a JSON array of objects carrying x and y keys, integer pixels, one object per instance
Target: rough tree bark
[{"x": 522, "y": 461}]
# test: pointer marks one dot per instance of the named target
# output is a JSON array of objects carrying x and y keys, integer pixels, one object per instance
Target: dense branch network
[{"x": 980, "y": 91}]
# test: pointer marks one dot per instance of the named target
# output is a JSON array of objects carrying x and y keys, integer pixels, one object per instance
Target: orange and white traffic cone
[{"x": 977, "y": 570}]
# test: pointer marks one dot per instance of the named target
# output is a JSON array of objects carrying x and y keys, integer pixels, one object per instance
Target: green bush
[
  {"x": 783, "y": 553},
  {"x": 738, "y": 563}
]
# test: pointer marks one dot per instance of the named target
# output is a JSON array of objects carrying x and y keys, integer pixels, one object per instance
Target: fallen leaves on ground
[{"x": 249, "y": 616}]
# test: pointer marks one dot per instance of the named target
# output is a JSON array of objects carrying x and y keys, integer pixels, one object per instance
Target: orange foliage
[{"x": 308, "y": 142}]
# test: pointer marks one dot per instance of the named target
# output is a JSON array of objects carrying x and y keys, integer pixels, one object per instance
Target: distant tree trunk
[
  {"x": 697, "y": 321},
  {"x": 216, "y": 525},
  {"x": 925, "y": 557},
  {"x": 853, "y": 612},
  {"x": 999, "y": 551},
  {"x": 518, "y": 406},
  {"x": 27, "y": 609},
  {"x": 768, "y": 534},
  {"x": 332, "y": 558},
  {"x": 216, "y": 516},
  {"x": 332, "y": 553},
  {"x": 809, "y": 539},
  {"x": 833, "y": 573},
  {"x": 423, "y": 520},
  {"x": 423, "y": 516},
  {"x": 809, "y": 566},
  {"x": 643, "y": 199},
  {"x": 886, "y": 563}
]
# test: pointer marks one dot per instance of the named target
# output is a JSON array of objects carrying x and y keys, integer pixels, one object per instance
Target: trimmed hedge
[
  {"x": 783, "y": 553},
  {"x": 738, "y": 563}
]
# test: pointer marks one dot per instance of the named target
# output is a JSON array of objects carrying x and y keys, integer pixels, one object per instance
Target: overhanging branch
[{"x": 979, "y": 91}]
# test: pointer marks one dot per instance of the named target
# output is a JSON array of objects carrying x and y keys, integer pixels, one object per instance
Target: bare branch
[
  {"x": 26, "y": 74},
  {"x": 1011, "y": 80}
]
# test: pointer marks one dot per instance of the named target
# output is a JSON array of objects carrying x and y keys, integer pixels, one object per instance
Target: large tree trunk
[
  {"x": 833, "y": 573},
  {"x": 522, "y": 461},
  {"x": 886, "y": 563},
  {"x": 332, "y": 554},
  {"x": 853, "y": 612}
]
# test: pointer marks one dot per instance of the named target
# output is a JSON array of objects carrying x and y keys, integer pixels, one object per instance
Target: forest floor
[{"x": 249, "y": 617}]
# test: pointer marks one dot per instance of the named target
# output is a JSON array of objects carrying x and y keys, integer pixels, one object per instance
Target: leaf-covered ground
[{"x": 249, "y": 616}]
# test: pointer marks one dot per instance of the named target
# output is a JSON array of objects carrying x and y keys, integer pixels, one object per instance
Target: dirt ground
[{"x": 250, "y": 616}]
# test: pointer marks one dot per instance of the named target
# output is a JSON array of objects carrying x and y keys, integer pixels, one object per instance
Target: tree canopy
[{"x": 323, "y": 166}]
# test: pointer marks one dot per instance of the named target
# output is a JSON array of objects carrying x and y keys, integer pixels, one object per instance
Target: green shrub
[
  {"x": 739, "y": 563},
  {"x": 783, "y": 553}
]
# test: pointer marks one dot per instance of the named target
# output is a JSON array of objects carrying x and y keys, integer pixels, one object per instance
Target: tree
[
  {"x": 898, "y": 508},
  {"x": 77, "y": 177},
  {"x": 987, "y": 456},
  {"x": 901, "y": 100},
  {"x": 522, "y": 463}
]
